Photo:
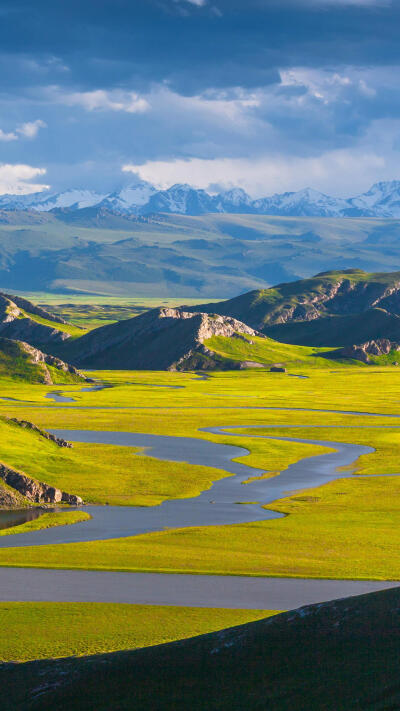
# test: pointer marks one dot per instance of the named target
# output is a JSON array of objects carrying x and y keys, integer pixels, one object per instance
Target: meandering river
[{"x": 217, "y": 506}]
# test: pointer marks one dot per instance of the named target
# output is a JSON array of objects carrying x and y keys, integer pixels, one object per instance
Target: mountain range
[
  {"x": 350, "y": 314},
  {"x": 382, "y": 200}
]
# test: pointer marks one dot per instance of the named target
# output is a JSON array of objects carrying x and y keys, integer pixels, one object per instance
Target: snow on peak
[{"x": 142, "y": 198}]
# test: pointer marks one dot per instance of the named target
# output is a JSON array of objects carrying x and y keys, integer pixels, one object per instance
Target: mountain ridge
[{"x": 142, "y": 198}]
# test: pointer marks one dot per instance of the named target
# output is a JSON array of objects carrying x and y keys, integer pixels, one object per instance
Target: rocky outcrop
[
  {"x": 32, "y": 308},
  {"x": 382, "y": 346},
  {"x": 25, "y": 424},
  {"x": 36, "y": 491},
  {"x": 160, "y": 339},
  {"x": 17, "y": 321},
  {"x": 10, "y": 499},
  {"x": 336, "y": 293}
]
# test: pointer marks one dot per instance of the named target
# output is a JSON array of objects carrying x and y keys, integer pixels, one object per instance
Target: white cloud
[
  {"x": 8, "y": 136},
  {"x": 340, "y": 172},
  {"x": 30, "y": 129},
  {"x": 101, "y": 100},
  {"x": 199, "y": 3},
  {"x": 15, "y": 179}
]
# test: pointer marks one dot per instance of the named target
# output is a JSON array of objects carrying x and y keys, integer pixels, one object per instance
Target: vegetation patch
[
  {"x": 95, "y": 628},
  {"x": 48, "y": 520}
]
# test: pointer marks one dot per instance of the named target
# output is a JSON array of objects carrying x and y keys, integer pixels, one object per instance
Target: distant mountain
[
  {"x": 381, "y": 200},
  {"x": 334, "y": 308}
]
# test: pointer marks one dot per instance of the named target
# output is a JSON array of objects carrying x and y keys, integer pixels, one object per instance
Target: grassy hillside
[
  {"x": 340, "y": 655},
  {"x": 18, "y": 362},
  {"x": 339, "y": 330},
  {"x": 268, "y": 352}
]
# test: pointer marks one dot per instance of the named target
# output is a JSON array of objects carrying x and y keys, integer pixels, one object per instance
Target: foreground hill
[
  {"x": 337, "y": 656},
  {"x": 174, "y": 339},
  {"x": 21, "y": 320},
  {"x": 20, "y": 361},
  {"x": 332, "y": 308}
]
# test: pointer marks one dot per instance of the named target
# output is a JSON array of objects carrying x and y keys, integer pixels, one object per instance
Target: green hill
[
  {"x": 333, "y": 308},
  {"x": 339, "y": 330},
  {"x": 20, "y": 361}
]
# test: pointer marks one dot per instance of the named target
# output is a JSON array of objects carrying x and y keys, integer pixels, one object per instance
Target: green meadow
[
  {"x": 348, "y": 528},
  {"x": 47, "y": 520},
  {"x": 95, "y": 628}
]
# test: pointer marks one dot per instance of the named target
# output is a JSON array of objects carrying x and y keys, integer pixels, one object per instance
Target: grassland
[
  {"x": 48, "y": 520},
  {"x": 348, "y": 528},
  {"x": 69, "y": 328},
  {"x": 340, "y": 655},
  {"x": 94, "y": 628},
  {"x": 88, "y": 312}
]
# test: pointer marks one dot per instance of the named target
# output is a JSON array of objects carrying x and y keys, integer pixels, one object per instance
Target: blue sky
[{"x": 270, "y": 95}]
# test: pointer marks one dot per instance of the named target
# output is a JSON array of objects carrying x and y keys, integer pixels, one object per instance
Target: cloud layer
[{"x": 256, "y": 93}]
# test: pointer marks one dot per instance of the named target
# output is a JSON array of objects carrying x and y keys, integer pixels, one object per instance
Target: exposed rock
[
  {"x": 25, "y": 424},
  {"x": 10, "y": 499},
  {"x": 34, "y": 490},
  {"x": 17, "y": 322},
  {"x": 36, "y": 310},
  {"x": 382, "y": 346},
  {"x": 336, "y": 293}
]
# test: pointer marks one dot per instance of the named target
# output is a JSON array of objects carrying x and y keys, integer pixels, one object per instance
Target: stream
[{"x": 219, "y": 505}]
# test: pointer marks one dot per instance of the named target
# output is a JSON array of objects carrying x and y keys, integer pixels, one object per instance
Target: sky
[{"x": 267, "y": 95}]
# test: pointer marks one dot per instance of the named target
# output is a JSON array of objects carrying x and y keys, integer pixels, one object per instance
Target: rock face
[
  {"x": 159, "y": 339},
  {"x": 36, "y": 491},
  {"x": 17, "y": 322},
  {"x": 14, "y": 355},
  {"x": 25, "y": 424},
  {"x": 326, "y": 294},
  {"x": 382, "y": 346}
]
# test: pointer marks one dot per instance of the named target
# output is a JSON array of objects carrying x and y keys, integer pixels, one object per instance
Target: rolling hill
[
  {"x": 341, "y": 655},
  {"x": 333, "y": 308},
  {"x": 159, "y": 339},
  {"x": 97, "y": 251},
  {"x": 174, "y": 339}
]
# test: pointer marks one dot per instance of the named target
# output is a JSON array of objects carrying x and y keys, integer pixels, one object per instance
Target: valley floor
[{"x": 345, "y": 529}]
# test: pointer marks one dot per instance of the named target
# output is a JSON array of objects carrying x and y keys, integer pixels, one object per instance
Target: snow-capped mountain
[
  {"x": 130, "y": 198},
  {"x": 182, "y": 200},
  {"x": 46, "y": 201},
  {"x": 304, "y": 203},
  {"x": 381, "y": 200}
]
